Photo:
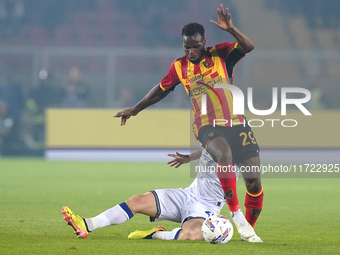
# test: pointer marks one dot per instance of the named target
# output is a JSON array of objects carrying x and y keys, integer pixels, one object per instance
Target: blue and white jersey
[{"x": 206, "y": 185}]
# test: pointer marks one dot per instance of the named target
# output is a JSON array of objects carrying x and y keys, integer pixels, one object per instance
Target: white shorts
[{"x": 178, "y": 205}]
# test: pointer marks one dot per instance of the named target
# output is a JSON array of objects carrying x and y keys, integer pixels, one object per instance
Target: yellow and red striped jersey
[{"x": 217, "y": 67}]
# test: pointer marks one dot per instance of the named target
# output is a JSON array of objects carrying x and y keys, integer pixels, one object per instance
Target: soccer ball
[{"x": 217, "y": 229}]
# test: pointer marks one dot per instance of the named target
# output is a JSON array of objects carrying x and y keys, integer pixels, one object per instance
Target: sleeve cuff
[{"x": 160, "y": 85}]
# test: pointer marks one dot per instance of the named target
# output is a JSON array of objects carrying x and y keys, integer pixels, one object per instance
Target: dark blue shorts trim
[{"x": 158, "y": 206}]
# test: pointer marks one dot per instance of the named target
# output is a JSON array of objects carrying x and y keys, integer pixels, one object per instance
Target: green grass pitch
[{"x": 300, "y": 216}]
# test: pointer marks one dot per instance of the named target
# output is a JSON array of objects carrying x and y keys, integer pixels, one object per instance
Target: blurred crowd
[
  {"x": 78, "y": 23},
  {"x": 95, "y": 22},
  {"x": 22, "y": 109},
  {"x": 82, "y": 81},
  {"x": 22, "y": 116},
  {"x": 317, "y": 13}
]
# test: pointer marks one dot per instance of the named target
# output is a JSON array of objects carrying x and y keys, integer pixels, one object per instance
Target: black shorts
[{"x": 240, "y": 139}]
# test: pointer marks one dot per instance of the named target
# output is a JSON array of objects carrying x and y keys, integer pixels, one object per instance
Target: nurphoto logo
[{"x": 238, "y": 104}]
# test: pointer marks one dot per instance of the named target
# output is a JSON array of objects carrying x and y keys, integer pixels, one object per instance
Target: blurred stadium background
[{"x": 107, "y": 54}]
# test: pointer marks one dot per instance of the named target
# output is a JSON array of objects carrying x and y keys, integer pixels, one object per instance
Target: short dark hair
[{"x": 192, "y": 28}]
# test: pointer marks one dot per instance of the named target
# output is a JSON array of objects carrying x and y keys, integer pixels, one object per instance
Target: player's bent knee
[
  {"x": 134, "y": 203},
  {"x": 145, "y": 204},
  {"x": 253, "y": 185}
]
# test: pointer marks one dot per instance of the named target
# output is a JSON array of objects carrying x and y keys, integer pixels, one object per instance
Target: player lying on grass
[{"x": 187, "y": 206}]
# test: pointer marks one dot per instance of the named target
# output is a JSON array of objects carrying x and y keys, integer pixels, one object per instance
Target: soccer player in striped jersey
[{"x": 231, "y": 141}]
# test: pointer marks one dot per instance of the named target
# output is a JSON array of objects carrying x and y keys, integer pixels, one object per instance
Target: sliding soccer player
[{"x": 187, "y": 206}]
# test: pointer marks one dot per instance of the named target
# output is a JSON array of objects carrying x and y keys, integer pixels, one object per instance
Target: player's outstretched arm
[
  {"x": 225, "y": 22},
  {"x": 155, "y": 95},
  {"x": 180, "y": 159}
]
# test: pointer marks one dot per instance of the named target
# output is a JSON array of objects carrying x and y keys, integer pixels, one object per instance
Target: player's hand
[
  {"x": 224, "y": 19},
  {"x": 179, "y": 159},
  {"x": 125, "y": 115}
]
